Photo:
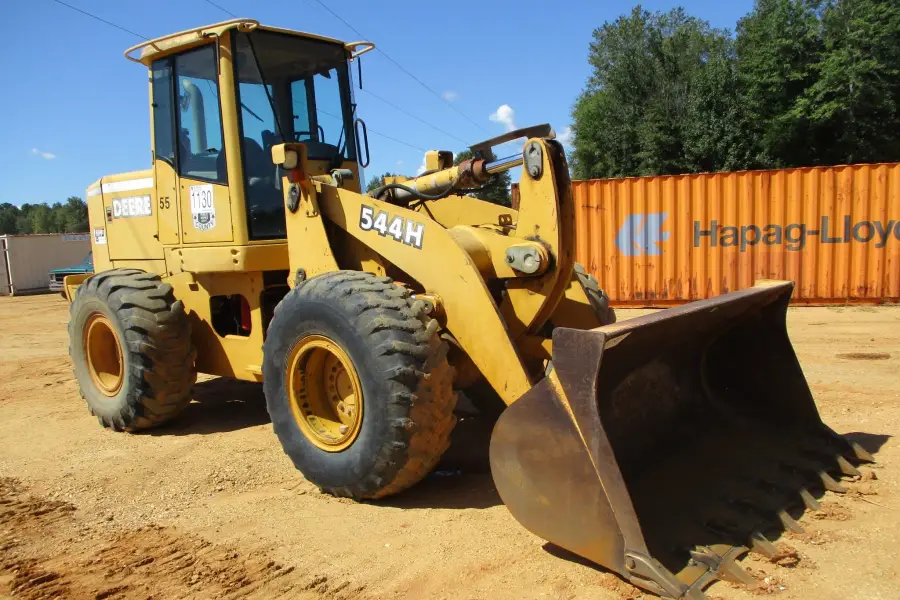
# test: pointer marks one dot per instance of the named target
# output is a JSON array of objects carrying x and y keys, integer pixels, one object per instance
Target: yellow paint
[
  {"x": 464, "y": 210},
  {"x": 126, "y": 236},
  {"x": 441, "y": 267},
  {"x": 71, "y": 283},
  {"x": 325, "y": 394},
  {"x": 231, "y": 355},
  {"x": 103, "y": 352},
  {"x": 224, "y": 259},
  {"x": 452, "y": 250},
  {"x": 545, "y": 213}
]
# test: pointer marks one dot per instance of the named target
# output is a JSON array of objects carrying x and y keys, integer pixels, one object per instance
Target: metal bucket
[{"x": 666, "y": 446}]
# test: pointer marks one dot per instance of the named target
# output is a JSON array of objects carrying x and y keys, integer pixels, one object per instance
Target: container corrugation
[
  {"x": 28, "y": 259},
  {"x": 655, "y": 241}
]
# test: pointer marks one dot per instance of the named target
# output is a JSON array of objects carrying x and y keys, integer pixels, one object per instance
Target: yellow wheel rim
[
  {"x": 324, "y": 392},
  {"x": 104, "y": 354}
]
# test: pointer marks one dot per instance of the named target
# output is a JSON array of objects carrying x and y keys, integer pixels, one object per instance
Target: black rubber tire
[
  {"x": 157, "y": 352},
  {"x": 597, "y": 297},
  {"x": 407, "y": 383}
]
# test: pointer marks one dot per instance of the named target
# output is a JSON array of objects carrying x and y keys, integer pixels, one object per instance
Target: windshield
[{"x": 289, "y": 89}]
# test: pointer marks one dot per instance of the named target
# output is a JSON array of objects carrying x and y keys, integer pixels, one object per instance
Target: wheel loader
[{"x": 663, "y": 447}]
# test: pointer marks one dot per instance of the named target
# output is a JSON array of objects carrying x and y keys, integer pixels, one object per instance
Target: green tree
[
  {"x": 661, "y": 99},
  {"x": 853, "y": 101},
  {"x": 9, "y": 215},
  {"x": 23, "y": 225},
  {"x": 778, "y": 44},
  {"x": 73, "y": 216},
  {"x": 497, "y": 190},
  {"x": 42, "y": 220}
]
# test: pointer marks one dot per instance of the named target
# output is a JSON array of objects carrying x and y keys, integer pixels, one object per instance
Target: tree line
[
  {"x": 799, "y": 83},
  {"x": 68, "y": 217}
]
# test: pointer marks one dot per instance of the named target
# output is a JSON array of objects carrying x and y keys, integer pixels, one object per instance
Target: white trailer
[{"x": 26, "y": 260}]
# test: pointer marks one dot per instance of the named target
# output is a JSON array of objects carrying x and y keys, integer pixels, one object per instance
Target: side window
[
  {"x": 200, "y": 152},
  {"x": 163, "y": 113},
  {"x": 300, "y": 91},
  {"x": 329, "y": 117}
]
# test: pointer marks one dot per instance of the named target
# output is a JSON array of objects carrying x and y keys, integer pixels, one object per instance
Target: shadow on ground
[
  {"x": 871, "y": 442},
  {"x": 219, "y": 406},
  {"x": 462, "y": 479}
]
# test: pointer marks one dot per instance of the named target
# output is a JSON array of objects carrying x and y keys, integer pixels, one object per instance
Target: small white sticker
[
  {"x": 99, "y": 235},
  {"x": 203, "y": 208},
  {"x": 133, "y": 206}
]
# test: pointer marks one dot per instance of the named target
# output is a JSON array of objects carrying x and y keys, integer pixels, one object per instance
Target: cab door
[
  {"x": 204, "y": 209},
  {"x": 164, "y": 175}
]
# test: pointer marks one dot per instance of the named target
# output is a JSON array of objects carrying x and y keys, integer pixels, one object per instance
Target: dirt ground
[{"x": 210, "y": 507}]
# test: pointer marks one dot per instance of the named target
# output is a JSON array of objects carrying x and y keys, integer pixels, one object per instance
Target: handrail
[
  {"x": 241, "y": 24},
  {"x": 351, "y": 48}
]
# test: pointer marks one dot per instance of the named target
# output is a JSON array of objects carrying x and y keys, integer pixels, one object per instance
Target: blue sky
[{"x": 73, "y": 109}]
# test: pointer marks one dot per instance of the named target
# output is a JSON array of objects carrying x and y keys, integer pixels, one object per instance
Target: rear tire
[
  {"x": 399, "y": 364},
  {"x": 130, "y": 344}
]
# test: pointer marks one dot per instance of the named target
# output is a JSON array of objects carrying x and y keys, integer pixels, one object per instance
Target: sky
[{"x": 73, "y": 109}]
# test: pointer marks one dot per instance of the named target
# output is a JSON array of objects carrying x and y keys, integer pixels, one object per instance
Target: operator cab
[
  {"x": 288, "y": 89},
  {"x": 239, "y": 85}
]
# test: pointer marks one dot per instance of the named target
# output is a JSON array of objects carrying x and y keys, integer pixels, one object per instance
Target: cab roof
[{"x": 150, "y": 50}]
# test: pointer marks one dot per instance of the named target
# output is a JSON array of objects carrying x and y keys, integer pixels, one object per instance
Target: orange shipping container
[{"x": 834, "y": 231}]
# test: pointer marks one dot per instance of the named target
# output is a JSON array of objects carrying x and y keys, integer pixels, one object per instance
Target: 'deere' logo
[{"x": 642, "y": 234}]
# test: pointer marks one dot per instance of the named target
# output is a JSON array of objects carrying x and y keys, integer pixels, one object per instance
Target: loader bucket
[{"x": 666, "y": 446}]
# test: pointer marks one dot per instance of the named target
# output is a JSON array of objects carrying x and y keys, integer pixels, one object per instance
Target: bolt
[
  {"x": 534, "y": 171},
  {"x": 343, "y": 429},
  {"x": 510, "y": 258},
  {"x": 629, "y": 562}
]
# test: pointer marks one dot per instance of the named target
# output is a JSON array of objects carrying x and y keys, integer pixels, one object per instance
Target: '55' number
[{"x": 402, "y": 230}]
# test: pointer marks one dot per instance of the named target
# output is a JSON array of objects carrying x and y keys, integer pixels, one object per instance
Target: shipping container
[
  {"x": 656, "y": 241},
  {"x": 28, "y": 259}
]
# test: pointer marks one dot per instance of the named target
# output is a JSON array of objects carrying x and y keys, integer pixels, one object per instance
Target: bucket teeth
[
  {"x": 808, "y": 500},
  {"x": 724, "y": 566},
  {"x": 860, "y": 452},
  {"x": 846, "y": 467},
  {"x": 789, "y": 522},
  {"x": 830, "y": 484},
  {"x": 761, "y": 545}
]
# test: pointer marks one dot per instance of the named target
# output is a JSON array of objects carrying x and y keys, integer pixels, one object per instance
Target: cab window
[
  {"x": 289, "y": 89},
  {"x": 200, "y": 152},
  {"x": 163, "y": 113}
]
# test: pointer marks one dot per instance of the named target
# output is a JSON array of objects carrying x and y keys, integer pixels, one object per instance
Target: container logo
[
  {"x": 642, "y": 234},
  {"x": 795, "y": 236}
]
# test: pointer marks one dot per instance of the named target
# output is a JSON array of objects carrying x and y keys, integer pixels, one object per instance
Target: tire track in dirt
[{"x": 47, "y": 552}]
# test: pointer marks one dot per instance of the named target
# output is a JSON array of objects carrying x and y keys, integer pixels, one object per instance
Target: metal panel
[
  {"x": 5, "y": 283},
  {"x": 835, "y": 231},
  {"x": 31, "y": 257}
]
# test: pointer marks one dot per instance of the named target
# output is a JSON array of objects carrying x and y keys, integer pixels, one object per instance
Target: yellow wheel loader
[{"x": 663, "y": 447}]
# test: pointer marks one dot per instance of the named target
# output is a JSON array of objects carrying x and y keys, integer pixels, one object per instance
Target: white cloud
[
  {"x": 505, "y": 115},
  {"x": 566, "y": 137},
  {"x": 399, "y": 163},
  {"x": 44, "y": 155},
  {"x": 450, "y": 96},
  {"x": 421, "y": 168}
]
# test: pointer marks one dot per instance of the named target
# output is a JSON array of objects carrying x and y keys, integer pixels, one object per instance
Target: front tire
[
  {"x": 358, "y": 385},
  {"x": 597, "y": 297},
  {"x": 130, "y": 344}
]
